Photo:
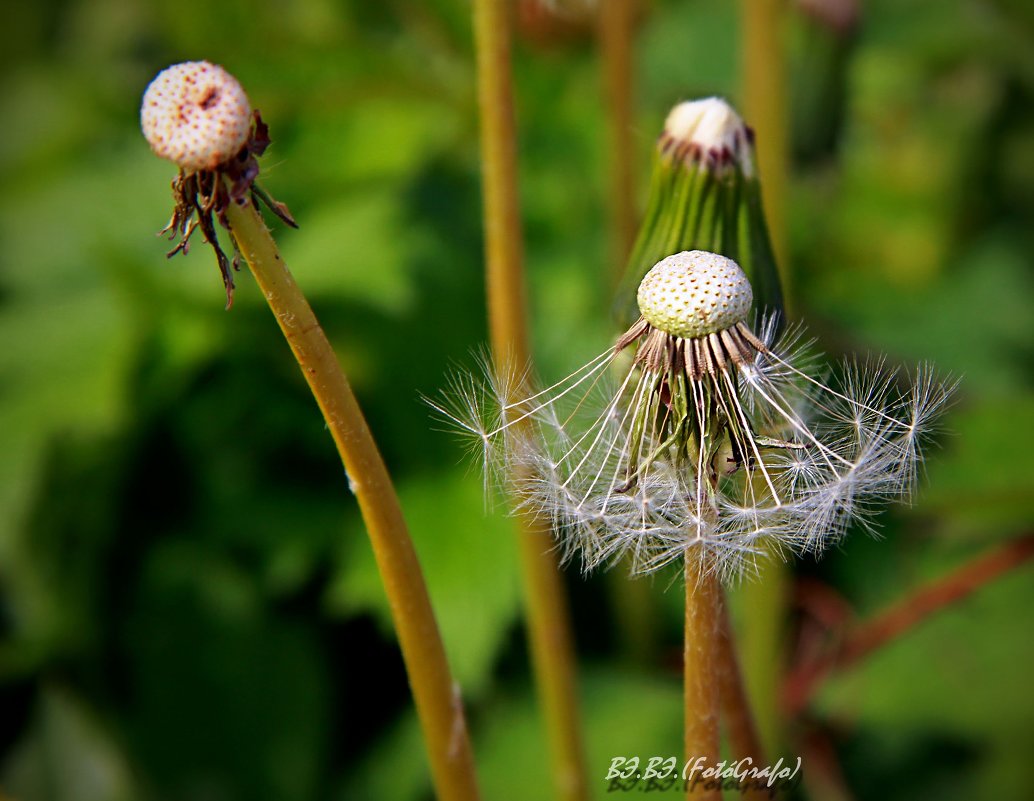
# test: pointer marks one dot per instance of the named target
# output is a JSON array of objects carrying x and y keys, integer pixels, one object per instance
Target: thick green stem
[
  {"x": 549, "y": 628},
  {"x": 437, "y": 697},
  {"x": 700, "y": 671}
]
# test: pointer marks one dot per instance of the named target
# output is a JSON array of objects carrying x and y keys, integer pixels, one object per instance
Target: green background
[{"x": 188, "y": 604}]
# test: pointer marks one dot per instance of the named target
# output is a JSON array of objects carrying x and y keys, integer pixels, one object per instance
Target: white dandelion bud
[
  {"x": 716, "y": 442},
  {"x": 196, "y": 115},
  {"x": 711, "y": 132},
  {"x": 705, "y": 194}
]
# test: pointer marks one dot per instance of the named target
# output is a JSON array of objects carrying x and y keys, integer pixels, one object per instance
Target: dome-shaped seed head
[
  {"x": 695, "y": 293},
  {"x": 195, "y": 114}
]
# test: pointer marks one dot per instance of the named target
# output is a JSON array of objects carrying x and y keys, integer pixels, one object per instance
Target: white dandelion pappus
[{"x": 715, "y": 442}]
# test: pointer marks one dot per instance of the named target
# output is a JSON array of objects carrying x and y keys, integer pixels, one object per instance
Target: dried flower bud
[
  {"x": 196, "y": 114},
  {"x": 711, "y": 132}
]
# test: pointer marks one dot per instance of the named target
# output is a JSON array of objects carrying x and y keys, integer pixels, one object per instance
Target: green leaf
[
  {"x": 356, "y": 248},
  {"x": 624, "y": 714},
  {"x": 975, "y": 322},
  {"x": 227, "y": 694},
  {"x": 67, "y": 754},
  {"x": 980, "y": 485},
  {"x": 954, "y": 677},
  {"x": 470, "y": 565},
  {"x": 68, "y": 336}
]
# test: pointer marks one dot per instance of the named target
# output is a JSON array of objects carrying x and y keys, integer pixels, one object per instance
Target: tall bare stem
[
  {"x": 549, "y": 627},
  {"x": 765, "y": 107},
  {"x": 740, "y": 728},
  {"x": 437, "y": 697},
  {"x": 615, "y": 34},
  {"x": 700, "y": 673}
]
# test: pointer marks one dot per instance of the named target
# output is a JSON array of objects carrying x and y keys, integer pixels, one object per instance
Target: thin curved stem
[{"x": 437, "y": 697}]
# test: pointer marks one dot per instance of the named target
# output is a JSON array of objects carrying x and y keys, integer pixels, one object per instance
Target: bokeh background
[{"x": 188, "y": 605}]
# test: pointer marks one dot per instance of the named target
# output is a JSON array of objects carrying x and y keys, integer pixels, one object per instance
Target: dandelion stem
[
  {"x": 700, "y": 670},
  {"x": 765, "y": 604},
  {"x": 437, "y": 699},
  {"x": 765, "y": 106},
  {"x": 615, "y": 35},
  {"x": 824, "y": 777},
  {"x": 736, "y": 712},
  {"x": 549, "y": 627}
]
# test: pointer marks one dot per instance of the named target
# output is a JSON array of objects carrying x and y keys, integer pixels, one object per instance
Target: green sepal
[
  {"x": 692, "y": 207},
  {"x": 760, "y": 262}
]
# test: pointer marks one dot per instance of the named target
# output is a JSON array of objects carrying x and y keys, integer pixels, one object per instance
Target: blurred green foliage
[{"x": 188, "y": 607}]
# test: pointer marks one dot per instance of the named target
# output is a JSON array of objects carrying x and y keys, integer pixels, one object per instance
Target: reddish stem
[
  {"x": 867, "y": 637},
  {"x": 824, "y": 777}
]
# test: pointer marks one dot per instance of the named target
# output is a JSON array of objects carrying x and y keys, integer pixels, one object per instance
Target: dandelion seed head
[
  {"x": 695, "y": 293},
  {"x": 195, "y": 114},
  {"x": 711, "y": 443}
]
